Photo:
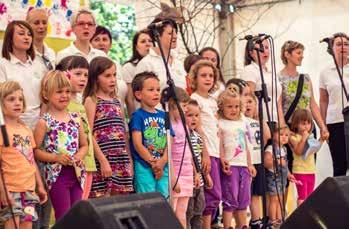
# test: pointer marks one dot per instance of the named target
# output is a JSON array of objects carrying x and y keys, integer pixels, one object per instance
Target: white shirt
[
  {"x": 128, "y": 72},
  {"x": 220, "y": 89},
  {"x": 122, "y": 91},
  {"x": 251, "y": 73},
  {"x": 234, "y": 141},
  {"x": 329, "y": 80},
  {"x": 254, "y": 139},
  {"x": 154, "y": 63},
  {"x": 72, "y": 50},
  {"x": 49, "y": 54},
  {"x": 29, "y": 76},
  {"x": 208, "y": 107}
]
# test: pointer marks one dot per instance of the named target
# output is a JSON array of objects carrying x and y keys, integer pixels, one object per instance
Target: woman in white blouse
[
  {"x": 332, "y": 102},
  {"x": 17, "y": 64}
]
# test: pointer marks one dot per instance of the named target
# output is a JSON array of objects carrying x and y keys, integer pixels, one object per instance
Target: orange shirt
[{"x": 18, "y": 165}]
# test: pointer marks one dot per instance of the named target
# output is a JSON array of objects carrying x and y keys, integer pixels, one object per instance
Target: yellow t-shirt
[
  {"x": 18, "y": 164},
  {"x": 300, "y": 165}
]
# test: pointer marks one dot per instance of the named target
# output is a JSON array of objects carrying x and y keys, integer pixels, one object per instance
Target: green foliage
[{"x": 121, "y": 21}]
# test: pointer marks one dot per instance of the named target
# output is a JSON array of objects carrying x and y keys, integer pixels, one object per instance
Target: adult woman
[
  {"x": 141, "y": 45},
  {"x": 211, "y": 54},
  {"x": 292, "y": 56},
  {"x": 45, "y": 56},
  {"x": 17, "y": 64},
  {"x": 153, "y": 61},
  {"x": 332, "y": 101},
  {"x": 83, "y": 24},
  {"x": 251, "y": 74}
]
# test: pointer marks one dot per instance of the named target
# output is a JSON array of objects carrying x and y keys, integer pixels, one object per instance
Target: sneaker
[{"x": 256, "y": 224}]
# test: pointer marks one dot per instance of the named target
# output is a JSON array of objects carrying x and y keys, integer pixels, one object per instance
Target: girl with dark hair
[
  {"x": 251, "y": 74},
  {"x": 332, "y": 101},
  {"x": 141, "y": 45},
  {"x": 17, "y": 64}
]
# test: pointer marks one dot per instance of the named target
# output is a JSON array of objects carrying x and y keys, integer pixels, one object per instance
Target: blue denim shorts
[
  {"x": 23, "y": 206},
  {"x": 277, "y": 184}
]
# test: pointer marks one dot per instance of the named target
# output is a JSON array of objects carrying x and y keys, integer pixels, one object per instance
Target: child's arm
[
  {"x": 250, "y": 166},
  {"x": 127, "y": 142},
  {"x": 268, "y": 160},
  {"x": 42, "y": 155},
  {"x": 298, "y": 146},
  {"x": 83, "y": 144},
  {"x": 224, "y": 163},
  {"x": 266, "y": 133},
  {"x": 3, "y": 194},
  {"x": 139, "y": 147},
  {"x": 90, "y": 107},
  {"x": 40, "y": 188}
]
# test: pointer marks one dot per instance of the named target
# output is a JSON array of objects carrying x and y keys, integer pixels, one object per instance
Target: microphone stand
[
  {"x": 263, "y": 97},
  {"x": 168, "y": 93}
]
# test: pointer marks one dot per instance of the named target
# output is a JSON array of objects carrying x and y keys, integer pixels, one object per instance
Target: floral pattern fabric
[{"x": 62, "y": 138}]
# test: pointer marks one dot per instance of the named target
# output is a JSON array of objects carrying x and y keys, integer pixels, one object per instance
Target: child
[
  {"x": 277, "y": 177},
  {"x": 235, "y": 158},
  {"x": 257, "y": 188},
  {"x": 148, "y": 135},
  {"x": 182, "y": 164},
  {"x": 62, "y": 144},
  {"x": 76, "y": 69},
  {"x": 104, "y": 112},
  {"x": 204, "y": 76},
  {"x": 304, "y": 146},
  {"x": 21, "y": 175},
  {"x": 189, "y": 61},
  {"x": 196, "y": 203}
]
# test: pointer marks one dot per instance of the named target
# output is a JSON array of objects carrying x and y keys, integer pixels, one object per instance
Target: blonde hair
[
  {"x": 226, "y": 94},
  {"x": 53, "y": 80},
  {"x": 182, "y": 97},
  {"x": 194, "y": 71},
  {"x": 30, "y": 12},
  {"x": 289, "y": 46},
  {"x": 75, "y": 16},
  {"x": 7, "y": 88}
]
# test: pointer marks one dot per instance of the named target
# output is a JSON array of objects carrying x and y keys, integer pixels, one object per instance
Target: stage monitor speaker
[
  {"x": 326, "y": 207},
  {"x": 135, "y": 211}
]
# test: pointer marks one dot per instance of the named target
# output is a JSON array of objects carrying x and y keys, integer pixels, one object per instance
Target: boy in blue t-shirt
[{"x": 148, "y": 137}]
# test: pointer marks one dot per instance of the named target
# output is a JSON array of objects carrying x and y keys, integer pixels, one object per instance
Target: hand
[
  {"x": 64, "y": 159},
  {"x": 158, "y": 164},
  {"x": 292, "y": 179},
  {"x": 78, "y": 157},
  {"x": 42, "y": 194},
  {"x": 324, "y": 134},
  {"x": 282, "y": 162},
  {"x": 158, "y": 173},
  {"x": 209, "y": 182},
  {"x": 177, "y": 188},
  {"x": 206, "y": 163},
  {"x": 106, "y": 169},
  {"x": 252, "y": 170},
  {"x": 3, "y": 198},
  {"x": 225, "y": 167},
  {"x": 305, "y": 134},
  {"x": 197, "y": 180}
]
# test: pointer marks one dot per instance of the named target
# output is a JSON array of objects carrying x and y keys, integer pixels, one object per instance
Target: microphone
[
  {"x": 326, "y": 39},
  {"x": 247, "y": 37},
  {"x": 156, "y": 25}
]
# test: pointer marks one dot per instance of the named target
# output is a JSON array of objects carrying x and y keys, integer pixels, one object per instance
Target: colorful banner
[{"x": 60, "y": 12}]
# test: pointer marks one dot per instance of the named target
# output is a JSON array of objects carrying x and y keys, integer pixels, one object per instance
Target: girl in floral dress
[
  {"x": 114, "y": 164},
  {"x": 61, "y": 144}
]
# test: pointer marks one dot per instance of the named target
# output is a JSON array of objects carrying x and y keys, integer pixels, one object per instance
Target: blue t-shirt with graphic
[{"x": 152, "y": 127}]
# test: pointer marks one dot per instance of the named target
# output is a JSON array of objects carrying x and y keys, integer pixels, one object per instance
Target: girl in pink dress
[{"x": 183, "y": 186}]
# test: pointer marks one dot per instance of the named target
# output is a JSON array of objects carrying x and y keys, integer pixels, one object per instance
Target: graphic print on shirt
[
  {"x": 155, "y": 136},
  {"x": 23, "y": 145},
  {"x": 239, "y": 138}
]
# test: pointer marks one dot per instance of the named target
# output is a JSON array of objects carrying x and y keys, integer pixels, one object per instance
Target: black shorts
[{"x": 257, "y": 186}]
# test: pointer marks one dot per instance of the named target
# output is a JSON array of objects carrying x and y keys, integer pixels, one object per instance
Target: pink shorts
[{"x": 307, "y": 187}]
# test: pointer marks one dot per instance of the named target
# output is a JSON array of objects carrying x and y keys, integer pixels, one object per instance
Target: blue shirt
[{"x": 153, "y": 129}]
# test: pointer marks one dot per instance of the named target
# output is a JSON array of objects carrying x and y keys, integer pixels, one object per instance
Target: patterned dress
[
  {"x": 62, "y": 138},
  {"x": 110, "y": 134}
]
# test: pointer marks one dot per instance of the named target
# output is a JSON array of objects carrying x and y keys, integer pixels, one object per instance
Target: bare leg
[
  {"x": 240, "y": 218},
  {"x": 206, "y": 222},
  {"x": 227, "y": 218},
  {"x": 255, "y": 208},
  {"x": 9, "y": 223},
  {"x": 26, "y": 225}
]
